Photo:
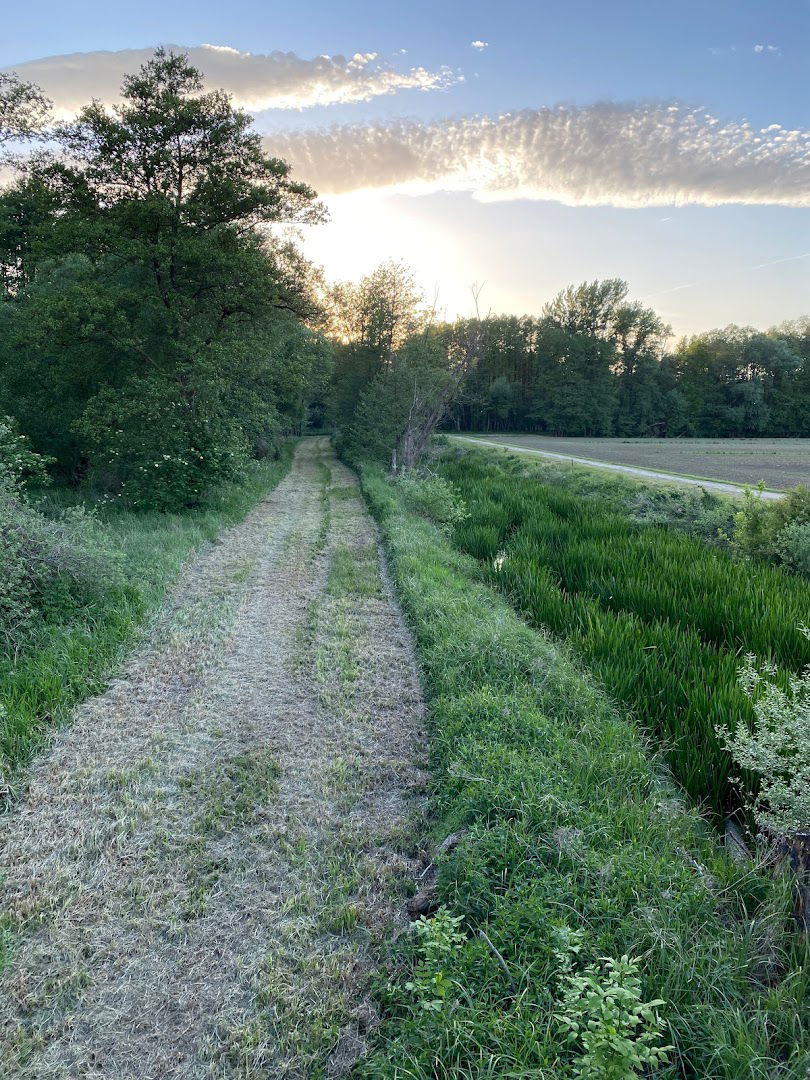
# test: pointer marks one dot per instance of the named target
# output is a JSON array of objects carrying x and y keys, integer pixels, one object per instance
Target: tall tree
[
  {"x": 148, "y": 290},
  {"x": 370, "y": 321},
  {"x": 24, "y": 109}
]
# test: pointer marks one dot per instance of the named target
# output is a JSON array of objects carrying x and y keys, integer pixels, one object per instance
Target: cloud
[
  {"x": 766, "y": 48},
  {"x": 257, "y": 81},
  {"x": 617, "y": 155},
  {"x": 480, "y": 45}
]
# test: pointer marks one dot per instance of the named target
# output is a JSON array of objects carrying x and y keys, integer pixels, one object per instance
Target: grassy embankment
[
  {"x": 661, "y": 618},
  {"x": 67, "y": 660},
  {"x": 576, "y": 847}
]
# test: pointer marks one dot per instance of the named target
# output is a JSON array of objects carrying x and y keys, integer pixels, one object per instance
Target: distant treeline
[{"x": 596, "y": 364}]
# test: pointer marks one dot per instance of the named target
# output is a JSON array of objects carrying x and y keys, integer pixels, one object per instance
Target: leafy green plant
[
  {"x": 433, "y": 497},
  {"x": 776, "y": 748},
  {"x": 616, "y": 1033},
  {"x": 19, "y": 465},
  {"x": 776, "y": 531},
  {"x": 438, "y": 938},
  {"x": 791, "y": 546}
]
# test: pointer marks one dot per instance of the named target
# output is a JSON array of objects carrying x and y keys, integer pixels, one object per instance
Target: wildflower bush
[
  {"x": 777, "y": 748},
  {"x": 160, "y": 448},
  {"x": 19, "y": 465}
]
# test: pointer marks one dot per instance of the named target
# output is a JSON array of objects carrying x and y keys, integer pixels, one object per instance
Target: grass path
[
  {"x": 200, "y": 874},
  {"x": 633, "y": 470}
]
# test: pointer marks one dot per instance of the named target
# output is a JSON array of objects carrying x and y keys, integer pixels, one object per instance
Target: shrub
[
  {"x": 162, "y": 446},
  {"x": 18, "y": 462},
  {"x": 777, "y": 531},
  {"x": 48, "y": 566},
  {"x": 791, "y": 546},
  {"x": 434, "y": 498},
  {"x": 777, "y": 748}
]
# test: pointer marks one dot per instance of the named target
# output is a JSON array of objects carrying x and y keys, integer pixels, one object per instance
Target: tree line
[
  {"x": 159, "y": 328},
  {"x": 596, "y": 364}
]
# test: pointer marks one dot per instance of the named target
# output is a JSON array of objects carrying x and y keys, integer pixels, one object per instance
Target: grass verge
[
  {"x": 67, "y": 662},
  {"x": 575, "y": 847}
]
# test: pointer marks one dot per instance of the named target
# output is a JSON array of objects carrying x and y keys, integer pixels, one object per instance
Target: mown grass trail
[{"x": 202, "y": 869}]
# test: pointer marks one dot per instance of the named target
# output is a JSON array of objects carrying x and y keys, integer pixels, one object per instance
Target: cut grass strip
[{"x": 573, "y": 834}]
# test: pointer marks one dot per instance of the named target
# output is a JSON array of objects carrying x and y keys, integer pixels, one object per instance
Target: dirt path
[
  {"x": 633, "y": 470},
  {"x": 197, "y": 882}
]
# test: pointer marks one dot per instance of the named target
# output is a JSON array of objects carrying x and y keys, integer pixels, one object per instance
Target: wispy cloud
[
  {"x": 257, "y": 81},
  {"x": 766, "y": 48},
  {"x": 480, "y": 45},
  {"x": 619, "y": 155}
]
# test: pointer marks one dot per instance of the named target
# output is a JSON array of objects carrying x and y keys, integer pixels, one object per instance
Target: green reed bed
[{"x": 661, "y": 618}]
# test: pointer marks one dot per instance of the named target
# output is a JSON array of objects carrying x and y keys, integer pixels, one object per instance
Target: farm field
[{"x": 778, "y": 463}]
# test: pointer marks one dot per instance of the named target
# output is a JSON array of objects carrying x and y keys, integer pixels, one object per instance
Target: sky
[{"x": 518, "y": 146}]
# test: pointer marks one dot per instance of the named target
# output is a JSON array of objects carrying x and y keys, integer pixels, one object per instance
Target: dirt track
[{"x": 200, "y": 874}]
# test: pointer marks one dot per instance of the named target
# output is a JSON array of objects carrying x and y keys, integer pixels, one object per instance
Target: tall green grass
[
  {"x": 69, "y": 660},
  {"x": 661, "y": 618},
  {"x": 571, "y": 832}
]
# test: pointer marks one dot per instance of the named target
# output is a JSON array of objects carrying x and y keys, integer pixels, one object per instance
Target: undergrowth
[
  {"x": 585, "y": 905},
  {"x": 73, "y": 645}
]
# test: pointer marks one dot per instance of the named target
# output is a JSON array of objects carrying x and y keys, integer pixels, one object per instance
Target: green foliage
[
  {"x": 570, "y": 833},
  {"x": 597, "y": 363},
  {"x": 165, "y": 449},
  {"x": 660, "y": 617},
  {"x": 696, "y": 512},
  {"x": 49, "y": 567},
  {"x": 791, "y": 546},
  {"x": 438, "y": 937},
  {"x": 89, "y": 581},
  {"x": 151, "y": 330},
  {"x": 23, "y": 108},
  {"x": 777, "y": 531},
  {"x": 776, "y": 749},
  {"x": 433, "y": 497},
  {"x": 19, "y": 465},
  {"x": 603, "y": 1013}
]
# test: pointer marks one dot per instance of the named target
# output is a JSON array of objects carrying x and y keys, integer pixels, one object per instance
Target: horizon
[{"x": 515, "y": 150}]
